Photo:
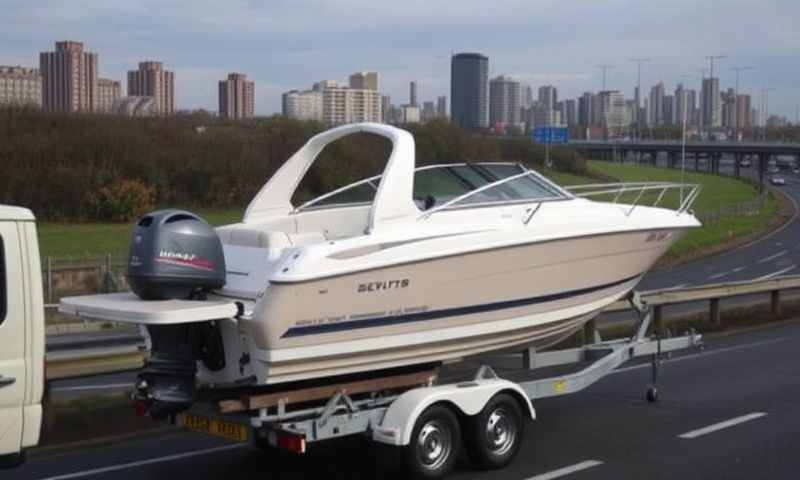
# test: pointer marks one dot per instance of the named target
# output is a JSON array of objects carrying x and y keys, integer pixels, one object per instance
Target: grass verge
[{"x": 80, "y": 240}]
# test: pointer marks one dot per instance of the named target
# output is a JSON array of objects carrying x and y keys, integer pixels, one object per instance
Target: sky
[{"x": 290, "y": 44}]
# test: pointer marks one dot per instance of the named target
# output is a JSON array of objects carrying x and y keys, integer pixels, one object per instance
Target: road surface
[{"x": 727, "y": 412}]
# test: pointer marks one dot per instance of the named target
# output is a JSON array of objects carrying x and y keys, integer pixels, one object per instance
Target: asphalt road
[{"x": 729, "y": 411}]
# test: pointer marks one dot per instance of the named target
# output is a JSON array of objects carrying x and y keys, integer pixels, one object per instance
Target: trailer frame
[{"x": 391, "y": 419}]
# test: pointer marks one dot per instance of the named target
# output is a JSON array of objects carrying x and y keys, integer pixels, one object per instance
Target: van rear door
[{"x": 13, "y": 369}]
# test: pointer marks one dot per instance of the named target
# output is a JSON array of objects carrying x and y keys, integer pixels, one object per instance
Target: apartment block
[
  {"x": 151, "y": 80},
  {"x": 20, "y": 86},
  {"x": 364, "y": 80},
  {"x": 303, "y": 105},
  {"x": 108, "y": 92},
  {"x": 69, "y": 78},
  {"x": 236, "y": 97}
]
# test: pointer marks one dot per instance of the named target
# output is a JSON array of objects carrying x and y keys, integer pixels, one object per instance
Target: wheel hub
[
  {"x": 434, "y": 445},
  {"x": 500, "y": 432}
]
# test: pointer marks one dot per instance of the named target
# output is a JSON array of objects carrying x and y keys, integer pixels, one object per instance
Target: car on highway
[
  {"x": 796, "y": 171},
  {"x": 745, "y": 164},
  {"x": 777, "y": 180}
]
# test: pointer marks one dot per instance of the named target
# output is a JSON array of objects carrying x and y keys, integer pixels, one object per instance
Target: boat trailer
[{"x": 424, "y": 421}]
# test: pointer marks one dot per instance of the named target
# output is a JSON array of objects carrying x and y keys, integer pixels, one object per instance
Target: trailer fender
[{"x": 469, "y": 398}]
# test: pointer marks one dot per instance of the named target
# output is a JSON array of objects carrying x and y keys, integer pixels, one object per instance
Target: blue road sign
[{"x": 550, "y": 135}]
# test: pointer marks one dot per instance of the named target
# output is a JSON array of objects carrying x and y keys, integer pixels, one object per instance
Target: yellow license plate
[{"x": 229, "y": 430}]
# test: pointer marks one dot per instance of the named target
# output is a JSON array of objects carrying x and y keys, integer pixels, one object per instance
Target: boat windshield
[{"x": 437, "y": 185}]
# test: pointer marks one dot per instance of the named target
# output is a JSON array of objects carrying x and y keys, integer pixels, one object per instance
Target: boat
[{"x": 416, "y": 266}]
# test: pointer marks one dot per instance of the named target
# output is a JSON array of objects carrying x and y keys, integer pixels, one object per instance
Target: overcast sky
[{"x": 288, "y": 44}]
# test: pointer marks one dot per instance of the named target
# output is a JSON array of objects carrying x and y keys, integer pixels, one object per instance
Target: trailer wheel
[
  {"x": 435, "y": 443},
  {"x": 495, "y": 434}
]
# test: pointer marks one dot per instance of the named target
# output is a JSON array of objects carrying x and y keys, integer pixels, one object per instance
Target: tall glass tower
[{"x": 469, "y": 90}]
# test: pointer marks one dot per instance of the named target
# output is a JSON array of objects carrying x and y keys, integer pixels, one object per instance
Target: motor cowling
[{"x": 174, "y": 254}]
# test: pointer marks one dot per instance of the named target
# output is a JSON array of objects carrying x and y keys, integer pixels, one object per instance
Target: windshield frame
[{"x": 374, "y": 181}]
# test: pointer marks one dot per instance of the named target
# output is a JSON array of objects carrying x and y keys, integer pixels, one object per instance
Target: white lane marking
[
  {"x": 123, "y": 466},
  {"x": 779, "y": 272},
  {"x": 773, "y": 257},
  {"x": 738, "y": 269},
  {"x": 81, "y": 388},
  {"x": 722, "y": 425},
  {"x": 703, "y": 354},
  {"x": 718, "y": 275},
  {"x": 676, "y": 287},
  {"x": 567, "y": 470}
]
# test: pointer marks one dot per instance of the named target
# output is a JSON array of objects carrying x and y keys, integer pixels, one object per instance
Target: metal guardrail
[
  {"x": 96, "y": 361},
  {"x": 713, "y": 293},
  {"x": 93, "y": 361}
]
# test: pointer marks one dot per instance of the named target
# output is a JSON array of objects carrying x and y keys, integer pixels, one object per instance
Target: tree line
[{"x": 74, "y": 167}]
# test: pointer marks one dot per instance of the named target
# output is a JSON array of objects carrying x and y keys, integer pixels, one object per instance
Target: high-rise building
[
  {"x": 412, "y": 94},
  {"x": 236, "y": 97},
  {"x": 571, "y": 111},
  {"x": 637, "y": 99},
  {"x": 527, "y": 97},
  {"x": 364, "y": 80},
  {"x": 656, "y": 111},
  {"x": 441, "y": 106},
  {"x": 669, "y": 110},
  {"x": 151, "y": 80},
  {"x": 69, "y": 78},
  {"x": 728, "y": 108},
  {"x": 469, "y": 90},
  {"x": 585, "y": 104},
  {"x": 612, "y": 112},
  {"x": 108, "y": 92},
  {"x": 334, "y": 104},
  {"x": 548, "y": 97},
  {"x": 711, "y": 111},
  {"x": 505, "y": 95},
  {"x": 349, "y": 105},
  {"x": 743, "y": 109},
  {"x": 386, "y": 109},
  {"x": 428, "y": 111},
  {"x": 20, "y": 86},
  {"x": 303, "y": 105},
  {"x": 409, "y": 114}
]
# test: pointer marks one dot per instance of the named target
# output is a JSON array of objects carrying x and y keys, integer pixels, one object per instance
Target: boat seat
[
  {"x": 252, "y": 237},
  {"x": 271, "y": 240}
]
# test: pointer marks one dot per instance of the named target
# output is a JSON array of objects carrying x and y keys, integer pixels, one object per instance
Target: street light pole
[
  {"x": 605, "y": 69},
  {"x": 639, "y": 62}
]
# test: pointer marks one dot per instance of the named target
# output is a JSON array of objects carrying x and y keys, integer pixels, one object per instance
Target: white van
[{"x": 21, "y": 335}]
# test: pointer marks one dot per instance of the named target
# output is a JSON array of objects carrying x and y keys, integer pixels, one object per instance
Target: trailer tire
[
  {"x": 435, "y": 443},
  {"x": 495, "y": 434}
]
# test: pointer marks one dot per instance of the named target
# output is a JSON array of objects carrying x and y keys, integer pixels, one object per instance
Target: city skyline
[{"x": 536, "y": 45}]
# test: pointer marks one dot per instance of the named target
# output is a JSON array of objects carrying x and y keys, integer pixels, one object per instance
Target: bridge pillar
[
  {"x": 763, "y": 159},
  {"x": 737, "y": 159},
  {"x": 696, "y": 161}
]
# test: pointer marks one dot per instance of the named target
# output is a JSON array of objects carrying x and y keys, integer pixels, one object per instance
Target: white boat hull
[{"x": 532, "y": 294}]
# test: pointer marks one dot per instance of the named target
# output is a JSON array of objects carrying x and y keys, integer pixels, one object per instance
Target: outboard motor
[{"x": 175, "y": 254}]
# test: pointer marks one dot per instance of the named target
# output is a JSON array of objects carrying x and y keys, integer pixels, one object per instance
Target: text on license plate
[{"x": 229, "y": 430}]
